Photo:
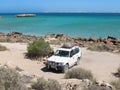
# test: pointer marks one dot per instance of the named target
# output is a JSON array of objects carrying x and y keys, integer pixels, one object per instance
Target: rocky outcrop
[
  {"x": 0, "y": 16},
  {"x": 25, "y": 15},
  {"x": 85, "y": 84},
  {"x": 110, "y": 44},
  {"x": 17, "y": 37}
]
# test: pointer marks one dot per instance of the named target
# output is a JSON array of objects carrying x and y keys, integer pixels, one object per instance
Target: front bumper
[{"x": 54, "y": 66}]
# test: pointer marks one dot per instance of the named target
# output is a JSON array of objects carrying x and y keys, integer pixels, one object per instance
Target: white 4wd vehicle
[{"x": 65, "y": 57}]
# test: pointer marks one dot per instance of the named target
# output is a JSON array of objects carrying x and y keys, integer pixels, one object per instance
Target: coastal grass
[
  {"x": 43, "y": 84},
  {"x": 3, "y": 48},
  {"x": 38, "y": 48},
  {"x": 99, "y": 47},
  {"x": 79, "y": 73},
  {"x": 116, "y": 84}
]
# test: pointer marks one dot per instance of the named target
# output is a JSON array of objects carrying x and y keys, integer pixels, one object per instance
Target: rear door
[{"x": 73, "y": 57}]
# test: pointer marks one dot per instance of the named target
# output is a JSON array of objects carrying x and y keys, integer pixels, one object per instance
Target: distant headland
[{"x": 25, "y": 15}]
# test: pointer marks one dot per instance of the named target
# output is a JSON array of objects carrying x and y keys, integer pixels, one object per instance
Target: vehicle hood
[{"x": 58, "y": 59}]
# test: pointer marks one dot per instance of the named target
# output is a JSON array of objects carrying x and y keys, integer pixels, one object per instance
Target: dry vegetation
[
  {"x": 99, "y": 47},
  {"x": 43, "y": 84},
  {"x": 10, "y": 80},
  {"x": 2, "y": 48},
  {"x": 79, "y": 73}
]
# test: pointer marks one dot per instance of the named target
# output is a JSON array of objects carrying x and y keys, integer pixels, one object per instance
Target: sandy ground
[{"x": 102, "y": 64}]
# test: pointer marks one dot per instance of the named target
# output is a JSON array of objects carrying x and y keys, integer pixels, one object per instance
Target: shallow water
[{"x": 83, "y": 25}]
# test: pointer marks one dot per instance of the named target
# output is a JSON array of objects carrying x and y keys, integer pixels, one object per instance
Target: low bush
[
  {"x": 2, "y": 48},
  {"x": 116, "y": 84},
  {"x": 38, "y": 48},
  {"x": 118, "y": 70},
  {"x": 10, "y": 80},
  {"x": 99, "y": 47},
  {"x": 79, "y": 73},
  {"x": 53, "y": 85},
  {"x": 4, "y": 39},
  {"x": 43, "y": 84}
]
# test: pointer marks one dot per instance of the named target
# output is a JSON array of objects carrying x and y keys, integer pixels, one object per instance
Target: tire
[
  {"x": 48, "y": 67},
  {"x": 78, "y": 61},
  {"x": 65, "y": 68}
]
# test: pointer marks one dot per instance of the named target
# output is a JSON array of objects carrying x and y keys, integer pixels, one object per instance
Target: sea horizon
[{"x": 82, "y": 24}]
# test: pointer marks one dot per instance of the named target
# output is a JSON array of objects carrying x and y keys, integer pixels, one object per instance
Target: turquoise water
[{"x": 83, "y": 25}]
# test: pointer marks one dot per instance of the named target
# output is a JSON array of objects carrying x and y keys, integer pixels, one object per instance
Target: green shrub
[
  {"x": 10, "y": 80},
  {"x": 38, "y": 48},
  {"x": 2, "y": 48},
  {"x": 43, "y": 84},
  {"x": 79, "y": 73}
]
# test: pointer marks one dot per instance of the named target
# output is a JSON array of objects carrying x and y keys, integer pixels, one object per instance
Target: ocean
[{"x": 71, "y": 24}]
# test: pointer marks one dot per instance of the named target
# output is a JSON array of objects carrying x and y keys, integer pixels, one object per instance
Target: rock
[
  {"x": 57, "y": 37},
  {"x": 0, "y": 16},
  {"x": 94, "y": 39},
  {"x": 19, "y": 37},
  {"x": 2, "y": 34},
  {"x": 25, "y": 15},
  {"x": 72, "y": 84},
  {"x": 112, "y": 38},
  {"x": 87, "y": 82},
  {"x": 85, "y": 39},
  {"x": 104, "y": 84}
]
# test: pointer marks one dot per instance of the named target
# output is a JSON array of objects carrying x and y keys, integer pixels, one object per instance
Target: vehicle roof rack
[{"x": 68, "y": 45}]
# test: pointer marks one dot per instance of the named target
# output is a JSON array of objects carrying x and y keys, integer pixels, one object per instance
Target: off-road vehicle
[{"x": 65, "y": 57}]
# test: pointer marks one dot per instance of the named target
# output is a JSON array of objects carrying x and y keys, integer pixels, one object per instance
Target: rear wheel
[
  {"x": 65, "y": 68},
  {"x": 78, "y": 61}
]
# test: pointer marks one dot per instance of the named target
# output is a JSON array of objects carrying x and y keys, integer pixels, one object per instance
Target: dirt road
[{"x": 102, "y": 64}]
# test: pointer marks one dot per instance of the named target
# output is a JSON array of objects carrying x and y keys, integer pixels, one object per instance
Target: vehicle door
[
  {"x": 75, "y": 56},
  {"x": 72, "y": 58}
]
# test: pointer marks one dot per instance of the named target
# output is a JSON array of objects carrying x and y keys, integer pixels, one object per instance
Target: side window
[
  {"x": 71, "y": 53},
  {"x": 76, "y": 50}
]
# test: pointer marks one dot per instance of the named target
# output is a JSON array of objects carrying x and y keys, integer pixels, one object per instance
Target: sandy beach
[{"x": 102, "y": 64}]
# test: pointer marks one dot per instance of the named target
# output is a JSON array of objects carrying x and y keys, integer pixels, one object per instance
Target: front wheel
[
  {"x": 65, "y": 68},
  {"x": 48, "y": 67}
]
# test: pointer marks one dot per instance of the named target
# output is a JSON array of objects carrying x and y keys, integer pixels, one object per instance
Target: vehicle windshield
[{"x": 62, "y": 53}]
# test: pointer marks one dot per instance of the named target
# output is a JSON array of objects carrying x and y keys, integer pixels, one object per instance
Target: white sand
[{"x": 102, "y": 64}]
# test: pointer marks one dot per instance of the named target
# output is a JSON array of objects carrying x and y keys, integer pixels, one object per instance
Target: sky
[{"x": 15, "y": 6}]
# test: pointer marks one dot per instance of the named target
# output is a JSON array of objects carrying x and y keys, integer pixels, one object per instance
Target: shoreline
[
  {"x": 109, "y": 44},
  {"x": 43, "y": 35}
]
